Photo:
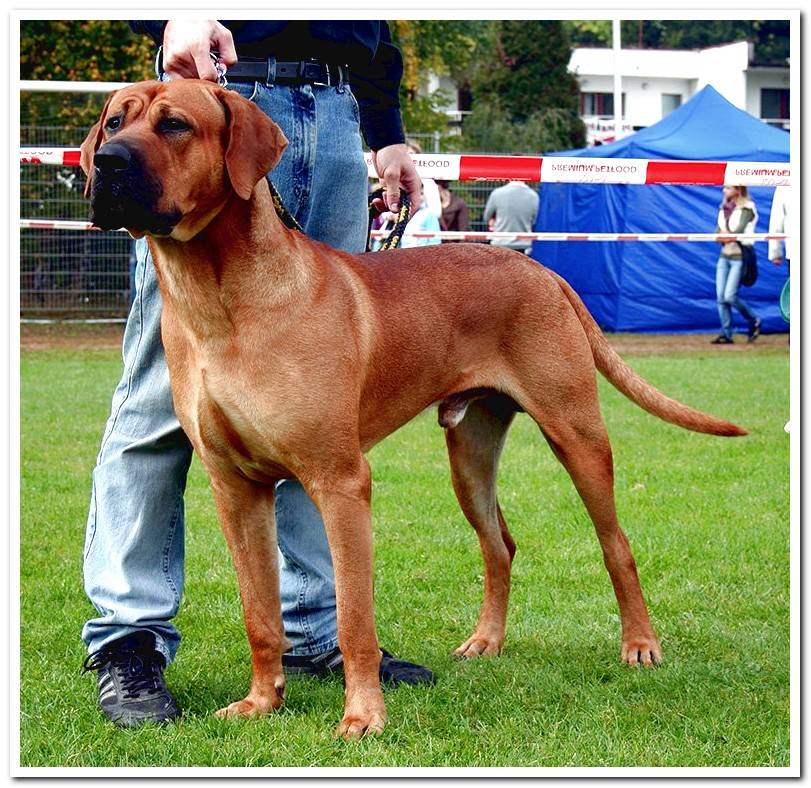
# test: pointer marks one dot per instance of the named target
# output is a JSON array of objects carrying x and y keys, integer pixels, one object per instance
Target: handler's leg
[
  {"x": 133, "y": 560},
  {"x": 322, "y": 180}
]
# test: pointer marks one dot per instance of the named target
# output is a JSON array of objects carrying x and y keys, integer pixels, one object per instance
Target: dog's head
[{"x": 165, "y": 157}]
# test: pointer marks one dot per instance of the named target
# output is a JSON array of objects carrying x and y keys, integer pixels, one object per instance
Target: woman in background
[{"x": 737, "y": 214}]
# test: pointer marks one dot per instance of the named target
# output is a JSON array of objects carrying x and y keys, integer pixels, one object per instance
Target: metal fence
[{"x": 67, "y": 273}]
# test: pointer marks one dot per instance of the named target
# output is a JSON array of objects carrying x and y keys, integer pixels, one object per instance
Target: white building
[{"x": 656, "y": 81}]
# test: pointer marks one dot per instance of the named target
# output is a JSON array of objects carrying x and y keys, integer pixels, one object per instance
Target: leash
[
  {"x": 391, "y": 242},
  {"x": 400, "y": 221}
]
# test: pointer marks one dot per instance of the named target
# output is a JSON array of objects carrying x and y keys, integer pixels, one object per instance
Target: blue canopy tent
[{"x": 663, "y": 286}]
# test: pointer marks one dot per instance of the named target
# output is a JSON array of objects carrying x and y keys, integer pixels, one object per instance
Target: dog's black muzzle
[{"x": 125, "y": 194}]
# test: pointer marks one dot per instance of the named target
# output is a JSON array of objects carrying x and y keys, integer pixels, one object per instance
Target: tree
[
  {"x": 79, "y": 50},
  {"x": 522, "y": 86},
  {"x": 443, "y": 47},
  {"x": 770, "y": 37}
]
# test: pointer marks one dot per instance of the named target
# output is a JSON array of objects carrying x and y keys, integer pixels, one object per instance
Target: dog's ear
[
  {"x": 91, "y": 144},
  {"x": 254, "y": 143}
]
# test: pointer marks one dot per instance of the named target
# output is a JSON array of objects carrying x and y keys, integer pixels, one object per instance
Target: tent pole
[{"x": 616, "y": 36}]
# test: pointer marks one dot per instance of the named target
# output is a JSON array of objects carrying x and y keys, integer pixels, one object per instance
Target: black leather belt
[{"x": 287, "y": 72}]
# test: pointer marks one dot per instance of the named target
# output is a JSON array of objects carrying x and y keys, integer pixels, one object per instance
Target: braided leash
[
  {"x": 394, "y": 238},
  {"x": 288, "y": 220},
  {"x": 400, "y": 221}
]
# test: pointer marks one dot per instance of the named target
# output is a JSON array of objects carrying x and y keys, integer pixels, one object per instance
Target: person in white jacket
[
  {"x": 737, "y": 214},
  {"x": 780, "y": 222}
]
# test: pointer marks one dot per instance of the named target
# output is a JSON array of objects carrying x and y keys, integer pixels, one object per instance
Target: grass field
[{"x": 708, "y": 520}]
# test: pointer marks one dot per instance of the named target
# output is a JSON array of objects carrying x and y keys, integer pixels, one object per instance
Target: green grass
[{"x": 708, "y": 520}]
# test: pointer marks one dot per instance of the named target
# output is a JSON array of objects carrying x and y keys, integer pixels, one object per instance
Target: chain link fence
[
  {"x": 67, "y": 273},
  {"x": 75, "y": 273}
]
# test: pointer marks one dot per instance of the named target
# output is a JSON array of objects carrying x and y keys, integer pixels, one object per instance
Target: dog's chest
[{"x": 232, "y": 432}]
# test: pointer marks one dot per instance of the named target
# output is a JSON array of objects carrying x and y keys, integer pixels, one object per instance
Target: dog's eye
[
  {"x": 113, "y": 123},
  {"x": 173, "y": 124}
]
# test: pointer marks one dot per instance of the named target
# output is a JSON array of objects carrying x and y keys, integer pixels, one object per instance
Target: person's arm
[
  {"x": 489, "y": 208},
  {"x": 747, "y": 215},
  {"x": 462, "y": 221},
  {"x": 149, "y": 27},
  {"x": 777, "y": 224},
  {"x": 376, "y": 87}
]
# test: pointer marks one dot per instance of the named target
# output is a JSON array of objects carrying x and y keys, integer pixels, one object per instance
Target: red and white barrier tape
[
  {"x": 65, "y": 157},
  {"x": 446, "y": 235},
  {"x": 545, "y": 169}
]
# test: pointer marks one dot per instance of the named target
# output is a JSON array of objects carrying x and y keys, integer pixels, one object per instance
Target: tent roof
[{"x": 705, "y": 128}]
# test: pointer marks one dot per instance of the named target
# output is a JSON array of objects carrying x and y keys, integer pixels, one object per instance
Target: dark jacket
[{"x": 375, "y": 64}]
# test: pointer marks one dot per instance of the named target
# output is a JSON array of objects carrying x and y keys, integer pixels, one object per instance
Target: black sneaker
[
  {"x": 754, "y": 331},
  {"x": 393, "y": 671},
  {"x": 130, "y": 681},
  {"x": 722, "y": 340}
]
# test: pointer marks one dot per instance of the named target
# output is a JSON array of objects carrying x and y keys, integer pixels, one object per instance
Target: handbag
[{"x": 749, "y": 268}]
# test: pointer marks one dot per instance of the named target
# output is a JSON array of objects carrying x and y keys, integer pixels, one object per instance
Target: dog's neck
[{"x": 212, "y": 280}]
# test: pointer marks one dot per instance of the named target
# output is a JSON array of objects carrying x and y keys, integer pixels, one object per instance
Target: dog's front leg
[
  {"x": 247, "y": 518},
  {"x": 345, "y": 505}
]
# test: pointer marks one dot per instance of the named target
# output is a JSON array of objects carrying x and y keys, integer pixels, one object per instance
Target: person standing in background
[
  {"x": 454, "y": 210},
  {"x": 513, "y": 209},
  {"x": 430, "y": 188},
  {"x": 737, "y": 214},
  {"x": 780, "y": 221}
]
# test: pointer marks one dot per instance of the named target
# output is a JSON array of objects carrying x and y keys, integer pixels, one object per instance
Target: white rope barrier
[
  {"x": 448, "y": 235},
  {"x": 56, "y": 86}
]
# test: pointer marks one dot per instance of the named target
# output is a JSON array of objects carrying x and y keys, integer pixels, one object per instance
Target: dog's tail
[{"x": 623, "y": 378}]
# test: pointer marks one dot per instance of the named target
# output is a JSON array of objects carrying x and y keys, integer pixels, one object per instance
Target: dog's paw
[
  {"x": 254, "y": 705},
  {"x": 364, "y": 713},
  {"x": 362, "y": 722},
  {"x": 479, "y": 646},
  {"x": 641, "y": 650},
  {"x": 356, "y": 726}
]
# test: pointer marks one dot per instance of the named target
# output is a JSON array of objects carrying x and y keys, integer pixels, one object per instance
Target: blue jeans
[
  {"x": 133, "y": 558},
  {"x": 727, "y": 282}
]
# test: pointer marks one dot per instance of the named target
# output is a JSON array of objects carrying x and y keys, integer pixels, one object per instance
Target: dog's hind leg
[
  {"x": 474, "y": 448},
  {"x": 581, "y": 444}
]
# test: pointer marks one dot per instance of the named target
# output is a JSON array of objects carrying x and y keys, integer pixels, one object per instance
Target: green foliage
[
  {"x": 423, "y": 114},
  {"x": 78, "y": 50},
  {"x": 588, "y": 32},
  {"x": 490, "y": 129},
  {"x": 447, "y": 47},
  {"x": 525, "y": 99},
  {"x": 770, "y": 37}
]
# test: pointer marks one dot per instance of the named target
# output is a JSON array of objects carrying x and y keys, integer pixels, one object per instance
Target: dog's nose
[{"x": 112, "y": 158}]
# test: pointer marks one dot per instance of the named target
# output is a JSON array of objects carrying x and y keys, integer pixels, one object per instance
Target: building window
[
  {"x": 599, "y": 104},
  {"x": 774, "y": 104},
  {"x": 670, "y": 101}
]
